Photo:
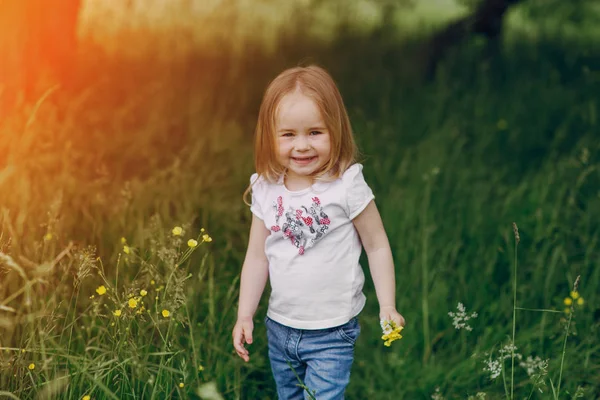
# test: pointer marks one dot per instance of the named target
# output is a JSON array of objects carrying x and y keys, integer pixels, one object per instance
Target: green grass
[{"x": 145, "y": 145}]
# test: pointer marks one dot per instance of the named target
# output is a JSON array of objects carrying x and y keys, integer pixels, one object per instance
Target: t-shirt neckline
[{"x": 317, "y": 186}]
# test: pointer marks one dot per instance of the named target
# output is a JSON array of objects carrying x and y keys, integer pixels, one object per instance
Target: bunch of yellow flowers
[
  {"x": 574, "y": 298},
  {"x": 391, "y": 331},
  {"x": 178, "y": 231}
]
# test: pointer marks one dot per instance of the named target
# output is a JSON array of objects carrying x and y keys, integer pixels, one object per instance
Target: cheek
[
  {"x": 326, "y": 145},
  {"x": 282, "y": 148}
]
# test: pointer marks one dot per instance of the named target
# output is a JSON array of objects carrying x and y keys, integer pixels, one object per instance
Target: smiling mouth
[{"x": 304, "y": 160}]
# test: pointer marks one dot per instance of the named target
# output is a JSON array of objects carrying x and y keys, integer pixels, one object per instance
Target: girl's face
[{"x": 303, "y": 142}]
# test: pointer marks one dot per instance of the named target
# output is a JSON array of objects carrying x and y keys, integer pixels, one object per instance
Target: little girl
[{"x": 312, "y": 211}]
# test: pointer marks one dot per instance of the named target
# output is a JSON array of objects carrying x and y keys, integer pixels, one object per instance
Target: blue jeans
[{"x": 322, "y": 359}]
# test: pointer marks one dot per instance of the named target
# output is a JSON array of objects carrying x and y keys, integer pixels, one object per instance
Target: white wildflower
[
  {"x": 537, "y": 369},
  {"x": 437, "y": 395},
  {"x": 534, "y": 365},
  {"x": 494, "y": 367},
  {"x": 461, "y": 317},
  {"x": 507, "y": 350},
  {"x": 478, "y": 396},
  {"x": 386, "y": 326}
]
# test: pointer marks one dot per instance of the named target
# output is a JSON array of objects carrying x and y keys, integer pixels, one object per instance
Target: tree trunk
[
  {"x": 38, "y": 41},
  {"x": 485, "y": 20}
]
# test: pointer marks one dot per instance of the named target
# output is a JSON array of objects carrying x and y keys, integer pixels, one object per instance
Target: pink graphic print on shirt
[{"x": 303, "y": 226}]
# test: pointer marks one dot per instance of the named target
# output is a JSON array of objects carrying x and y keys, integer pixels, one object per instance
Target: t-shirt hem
[
  {"x": 311, "y": 325},
  {"x": 361, "y": 208}
]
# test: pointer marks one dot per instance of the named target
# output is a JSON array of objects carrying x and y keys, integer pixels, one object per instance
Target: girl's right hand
[{"x": 242, "y": 333}]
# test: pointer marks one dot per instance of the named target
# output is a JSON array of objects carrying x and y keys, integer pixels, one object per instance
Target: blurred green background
[{"x": 123, "y": 120}]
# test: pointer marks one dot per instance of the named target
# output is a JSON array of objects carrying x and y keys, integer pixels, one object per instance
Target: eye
[
  {"x": 315, "y": 133},
  {"x": 287, "y": 134}
]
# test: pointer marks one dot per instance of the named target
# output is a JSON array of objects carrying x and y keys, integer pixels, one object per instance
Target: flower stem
[
  {"x": 504, "y": 378},
  {"x": 562, "y": 358},
  {"x": 514, "y": 322},
  {"x": 425, "y": 274}
]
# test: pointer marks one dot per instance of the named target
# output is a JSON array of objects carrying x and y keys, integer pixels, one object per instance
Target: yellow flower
[
  {"x": 101, "y": 290},
  {"x": 126, "y": 249},
  {"x": 567, "y": 310},
  {"x": 166, "y": 313},
  {"x": 391, "y": 332},
  {"x": 206, "y": 238},
  {"x": 201, "y": 229},
  {"x": 22, "y": 350},
  {"x": 48, "y": 236},
  {"x": 152, "y": 282},
  {"x": 580, "y": 301},
  {"x": 192, "y": 243},
  {"x": 177, "y": 231},
  {"x": 117, "y": 313},
  {"x": 86, "y": 397},
  {"x": 201, "y": 368},
  {"x": 180, "y": 384},
  {"x": 575, "y": 295},
  {"x": 568, "y": 301},
  {"x": 132, "y": 303},
  {"x": 123, "y": 240},
  {"x": 31, "y": 366},
  {"x": 143, "y": 292},
  {"x": 392, "y": 336}
]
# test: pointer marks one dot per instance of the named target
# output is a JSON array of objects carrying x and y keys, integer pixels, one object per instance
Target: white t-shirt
[{"x": 313, "y": 249}]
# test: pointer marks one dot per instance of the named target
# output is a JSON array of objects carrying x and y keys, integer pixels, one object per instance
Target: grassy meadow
[{"x": 123, "y": 229}]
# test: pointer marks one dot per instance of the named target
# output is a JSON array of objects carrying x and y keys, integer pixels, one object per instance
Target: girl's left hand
[{"x": 390, "y": 313}]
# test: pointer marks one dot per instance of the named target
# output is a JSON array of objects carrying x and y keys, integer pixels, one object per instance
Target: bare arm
[
  {"x": 375, "y": 242},
  {"x": 255, "y": 272}
]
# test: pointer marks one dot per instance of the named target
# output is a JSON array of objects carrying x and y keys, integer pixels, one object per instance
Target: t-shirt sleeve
[
  {"x": 257, "y": 195},
  {"x": 358, "y": 193}
]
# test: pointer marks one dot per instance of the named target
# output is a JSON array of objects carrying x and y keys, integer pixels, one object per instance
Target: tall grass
[
  {"x": 511, "y": 138},
  {"x": 514, "y": 319}
]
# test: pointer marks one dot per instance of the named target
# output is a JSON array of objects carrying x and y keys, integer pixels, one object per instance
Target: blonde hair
[{"x": 316, "y": 83}]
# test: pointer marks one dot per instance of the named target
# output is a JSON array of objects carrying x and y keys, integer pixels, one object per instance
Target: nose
[{"x": 301, "y": 143}]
